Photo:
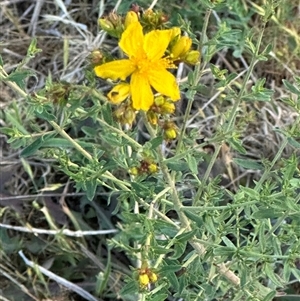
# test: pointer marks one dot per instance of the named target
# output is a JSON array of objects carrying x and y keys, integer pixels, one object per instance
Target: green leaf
[
  {"x": 193, "y": 216},
  {"x": 169, "y": 269},
  {"x": 244, "y": 272},
  {"x": 250, "y": 192},
  {"x": 32, "y": 49},
  {"x": 248, "y": 164},
  {"x": 107, "y": 113},
  {"x": 102, "y": 278},
  {"x": 19, "y": 77},
  {"x": 186, "y": 236},
  {"x": 140, "y": 190},
  {"x": 267, "y": 50},
  {"x": 158, "y": 297},
  {"x": 293, "y": 142},
  {"x": 9, "y": 131},
  {"x": 44, "y": 114},
  {"x": 89, "y": 131},
  {"x": 1, "y": 61},
  {"x": 130, "y": 288},
  {"x": 157, "y": 141},
  {"x": 35, "y": 146},
  {"x": 224, "y": 251},
  {"x": 209, "y": 224},
  {"x": 179, "y": 249},
  {"x": 91, "y": 186},
  {"x": 291, "y": 87},
  {"x": 158, "y": 250},
  {"x": 270, "y": 296},
  {"x": 228, "y": 242},
  {"x": 217, "y": 72},
  {"x": 173, "y": 281},
  {"x": 269, "y": 270},
  {"x": 237, "y": 145},
  {"x": 290, "y": 202},
  {"x": 177, "y": 166},
  {"x": 193, "y": 164},
  {"x": 267, "y": 213}
]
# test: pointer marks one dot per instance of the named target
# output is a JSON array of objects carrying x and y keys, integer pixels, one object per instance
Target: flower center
[{"x": 142, "y": 64}]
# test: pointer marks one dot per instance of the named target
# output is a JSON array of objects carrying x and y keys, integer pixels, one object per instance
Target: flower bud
[
  {"x": 170, "y": 134},
  {"x": 112, "y": 24},
  {"x": 105, "y": 24},
  {"x": 152, "y": 117},
  {"x": 175, "y": 32},
  {"x": 181, "y": 47},
  {"x": 193, "y": 57},
  {"x": 131, "y": 17},
  {"x": 170, "y": 130},
  {"x": 168, "y": 108},
  {"x": 144, "y": 279},
  {"x": 152, "y": 276},
  {"x": 159, "y": 100},
  {"x": 129, "y": 116},
  {"x": 134, "y": 171},
  {"x": 96, "y": 57},
  {"x": 152, "y": 168}
]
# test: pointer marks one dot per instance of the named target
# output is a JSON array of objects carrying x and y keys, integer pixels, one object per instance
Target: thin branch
[
  {"x": 69, "y": 285},
  {"x": 66, "y": 232}
]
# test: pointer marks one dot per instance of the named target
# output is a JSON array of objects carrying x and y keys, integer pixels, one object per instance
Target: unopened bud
[
  {"x": 131, "y": 17},
  {"x": 144, "y": 279},
  {"x": 168, "y": 108},
  {"x": 175, "y": 32},
  {"x": 181, "y": 47},
  {"x": 129, "y": 116},
  {"x": 134, "y": 171},
  {"x": 193, "y": 57},
  {"x": 170, "y": 134},
  {"x": 152, "y": 168},
  {"x": 96, "y": 57},
  {"x": 152, "y": 277},
  {"x": 159, "y": 100},
  {"x": 152, "y": 117},
  {"x": 105, "y": 24}
]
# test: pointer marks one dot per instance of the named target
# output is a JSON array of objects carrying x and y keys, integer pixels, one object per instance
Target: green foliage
[{"x": 224, "y": 215}]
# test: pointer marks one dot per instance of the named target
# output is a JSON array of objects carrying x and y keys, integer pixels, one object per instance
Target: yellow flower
[{"x": 145, "y": 65}]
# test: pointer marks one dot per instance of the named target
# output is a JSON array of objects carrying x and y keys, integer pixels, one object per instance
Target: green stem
[
  {"x": 232, "y": 117},
  {"x": 212, "y": 208},
  {"x": 184, "y": 221},
  {"x": 198, "y": 72},
  {"x": 62, "y": 133}
]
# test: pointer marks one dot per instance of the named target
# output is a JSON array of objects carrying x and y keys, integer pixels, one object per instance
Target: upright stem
[
  {"x": 198, "y": 71},
  {"x": 232, "y": 117}
]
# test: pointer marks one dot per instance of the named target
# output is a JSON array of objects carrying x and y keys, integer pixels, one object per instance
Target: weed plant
[{"x": 109, "y": 193}]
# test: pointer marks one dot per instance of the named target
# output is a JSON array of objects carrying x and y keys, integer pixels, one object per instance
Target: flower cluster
[
  {"x": 146, "y": 276},
  {"x": 143, "y": 77},
  {"x": 146, "y": 166}
]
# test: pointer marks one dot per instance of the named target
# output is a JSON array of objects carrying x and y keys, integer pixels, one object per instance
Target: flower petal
[
  {"x": 141, "y": 93},
  {"x": 119, "y": 93},
  {"x": 156, "y": 43},
  {"x": 164, "y": 82},
  {"x": 132, "y": 40},
  {"x": 115, "y": 69}
]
